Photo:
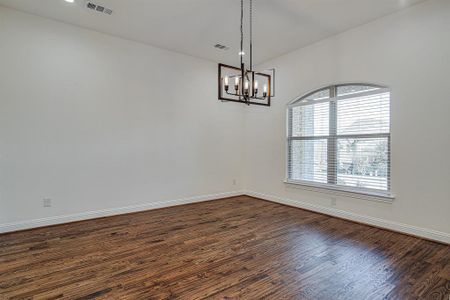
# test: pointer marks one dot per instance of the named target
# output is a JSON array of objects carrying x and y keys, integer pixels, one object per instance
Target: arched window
[{"x": 339, "y": 138}]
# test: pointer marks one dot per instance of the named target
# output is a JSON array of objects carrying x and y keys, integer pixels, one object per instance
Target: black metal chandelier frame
[{"x": 245, "y": 88}]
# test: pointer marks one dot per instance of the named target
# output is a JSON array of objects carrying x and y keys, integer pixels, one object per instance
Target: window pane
[
  {"x": 354, "y": 89},
  {"x": 363, "y": 163},
  {"x": 310, "y": 120},
  {"x": 308, "y": 160},
  {"x": 319, "y": 95},
  {"x": 364, "y": 115}
]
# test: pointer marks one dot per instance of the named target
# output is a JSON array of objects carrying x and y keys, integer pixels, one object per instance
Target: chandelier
[{"x": 243, "y": 84}]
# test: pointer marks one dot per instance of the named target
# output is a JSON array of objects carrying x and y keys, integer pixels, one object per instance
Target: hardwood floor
[{"x": 225, "y": 249}]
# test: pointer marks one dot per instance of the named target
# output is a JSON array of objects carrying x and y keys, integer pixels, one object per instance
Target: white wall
[
  {"x": 95, "y": 122},
  {"x": 408, "y": 51}
]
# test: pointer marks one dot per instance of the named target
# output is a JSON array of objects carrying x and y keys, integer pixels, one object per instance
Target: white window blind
[{"x": 339, "y": 137}]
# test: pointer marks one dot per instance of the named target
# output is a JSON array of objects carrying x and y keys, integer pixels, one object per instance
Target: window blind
[{"x": 340, "y": 137}]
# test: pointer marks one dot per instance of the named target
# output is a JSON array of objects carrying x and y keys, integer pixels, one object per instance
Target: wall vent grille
[
  {"x": 98, "y": 8},
  {"x": 221, "y": 47}
]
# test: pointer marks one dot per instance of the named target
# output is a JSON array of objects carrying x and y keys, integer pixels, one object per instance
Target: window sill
[{"x": 342, "y": 191}]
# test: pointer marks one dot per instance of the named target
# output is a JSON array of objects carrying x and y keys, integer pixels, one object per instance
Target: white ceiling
[{"x": 194, "y": 26}]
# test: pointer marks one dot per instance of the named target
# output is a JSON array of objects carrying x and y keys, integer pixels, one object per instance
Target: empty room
[{"x": 225, "y": 149}]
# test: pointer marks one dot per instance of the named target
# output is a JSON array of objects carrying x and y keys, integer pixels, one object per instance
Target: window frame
[{"x": 332, "y": 150}]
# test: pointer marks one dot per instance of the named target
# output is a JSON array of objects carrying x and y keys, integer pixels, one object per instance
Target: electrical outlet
[
  {"x": 333, "y": 201},
  {"x": 47, "y": 202},
  {"x": 234, "y": 181}
]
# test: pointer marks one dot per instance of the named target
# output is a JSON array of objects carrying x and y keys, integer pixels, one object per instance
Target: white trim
[
  {"x": 395, "y": 226},
  {"x": 358, "y": 193},
  {"x": 28, "y": 224}
]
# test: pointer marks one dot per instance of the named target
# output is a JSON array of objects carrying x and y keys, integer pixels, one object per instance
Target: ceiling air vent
[
  {"x": 221, "y": 47},
  {"x": 98, "y": 8}
]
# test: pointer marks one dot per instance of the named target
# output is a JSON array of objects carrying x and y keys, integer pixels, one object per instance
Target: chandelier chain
[
  {"x": 251, "y": 34},
  {"x": 242, "y": 30}
]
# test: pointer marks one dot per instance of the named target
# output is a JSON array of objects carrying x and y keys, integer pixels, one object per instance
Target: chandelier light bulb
[
  {"x": 265, "y": 91},
  {"x": 225, "y": 82},
  {"x": 246, "y": 88}
]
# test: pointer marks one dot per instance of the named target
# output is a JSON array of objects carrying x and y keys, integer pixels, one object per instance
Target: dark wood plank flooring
[{"x": 236, "y": 248}]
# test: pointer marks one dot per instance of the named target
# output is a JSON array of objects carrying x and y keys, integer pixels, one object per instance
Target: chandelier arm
[{"x": 250, "y": 97}]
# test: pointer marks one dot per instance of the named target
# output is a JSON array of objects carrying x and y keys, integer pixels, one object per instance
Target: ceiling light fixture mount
[{"x": 246, "y": 81}]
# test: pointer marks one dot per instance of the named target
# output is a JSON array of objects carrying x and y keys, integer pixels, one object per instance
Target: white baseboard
[
  {"x": 9, "y": 227},
  {"x": 395, "y": 226},
  {"x": 399, "y": 227}
]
